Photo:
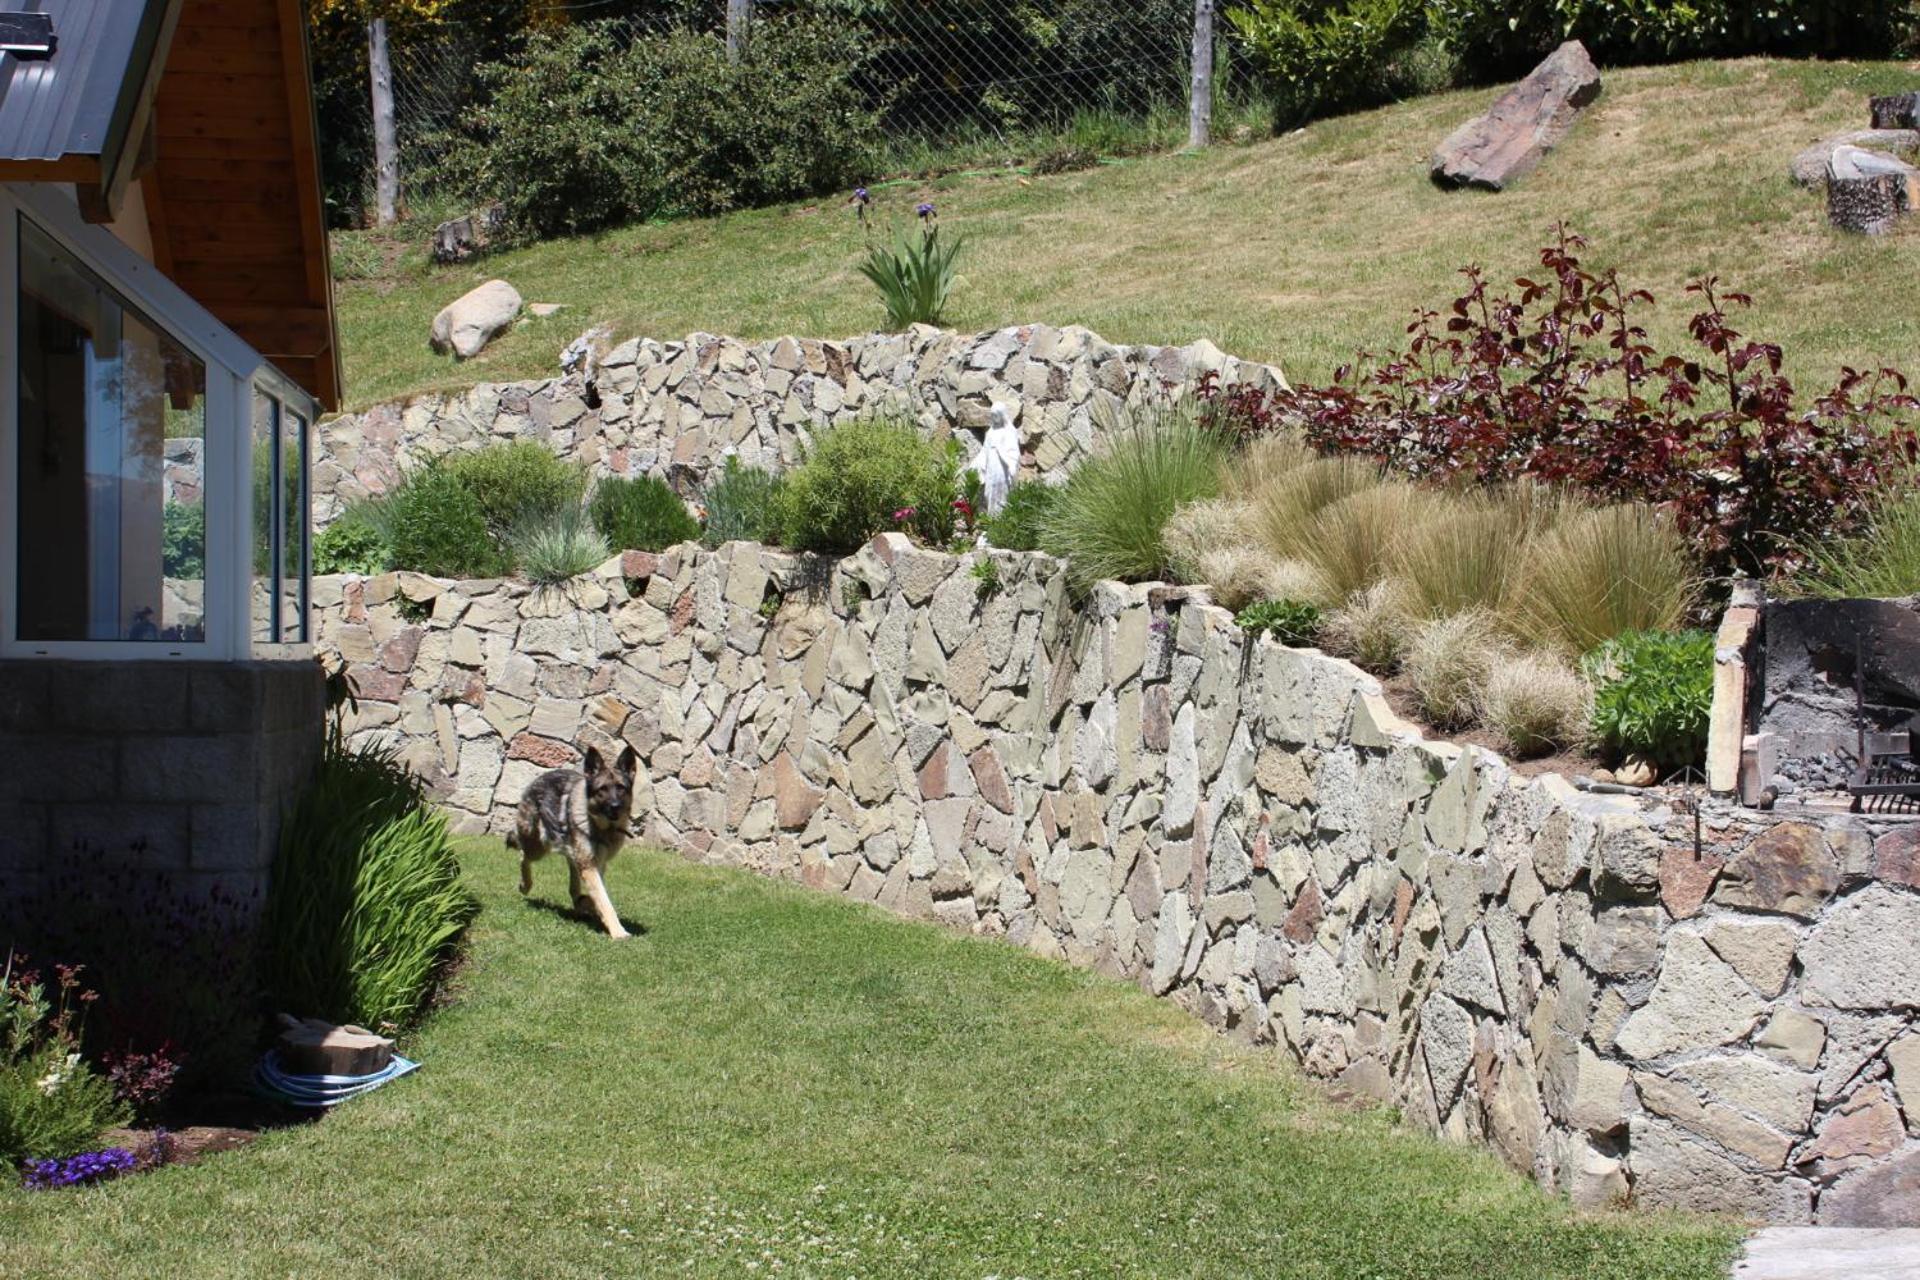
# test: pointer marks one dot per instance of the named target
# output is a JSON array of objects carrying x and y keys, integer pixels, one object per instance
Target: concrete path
[{"x": 1830, "y": 1253}]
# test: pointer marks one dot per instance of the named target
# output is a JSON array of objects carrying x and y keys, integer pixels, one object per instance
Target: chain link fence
[{"x": 943, "y": 74}]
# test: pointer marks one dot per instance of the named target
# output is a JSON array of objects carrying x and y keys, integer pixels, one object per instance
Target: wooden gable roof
[{"x": 233, "y": 196}]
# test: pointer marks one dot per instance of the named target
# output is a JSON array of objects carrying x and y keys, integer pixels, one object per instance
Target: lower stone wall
[{"x": 1620, "y": 1007}]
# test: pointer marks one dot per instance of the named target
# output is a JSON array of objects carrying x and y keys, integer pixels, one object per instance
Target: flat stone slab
[
  {"x": 1809, "y": 168},
  {"x": 1524, "y": 123},
  {"x": 1830, "y": 1253}
]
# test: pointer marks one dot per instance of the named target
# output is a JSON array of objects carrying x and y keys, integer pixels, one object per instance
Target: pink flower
[{"x": 904, "y": 514}]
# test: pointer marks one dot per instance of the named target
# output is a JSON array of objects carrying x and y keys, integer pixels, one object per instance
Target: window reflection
[{"x": 112, "y": 449}]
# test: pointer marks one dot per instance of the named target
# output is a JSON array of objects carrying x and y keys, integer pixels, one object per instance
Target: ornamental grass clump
[
  {"x": 1110, "y": 518},
  {"x": 640, "y": 513},
  {"x": 366, "y": 906},
  {"x": 1287, "y": 511},
  {"x": 1350, "y": 544},
  {"x": 558, "y": 545},
  {"x": 1448, "y": 663},
  {"x": 1373, "y": 629},
  {"x": 1016, "y": 526},
  {"x": 742, "y": 505},
  {"x": 1536, "y": 704},
  {"x": 1881, "y": 562},
  {"x": 1598, "y": 575}
]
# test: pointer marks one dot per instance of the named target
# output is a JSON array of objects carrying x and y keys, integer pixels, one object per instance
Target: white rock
[{"x": 471, "y": 321}]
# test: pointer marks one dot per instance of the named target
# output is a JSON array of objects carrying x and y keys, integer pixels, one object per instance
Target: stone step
[{"x": 1831, "y": 1253}]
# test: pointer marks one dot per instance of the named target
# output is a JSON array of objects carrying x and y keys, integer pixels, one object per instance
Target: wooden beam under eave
[
  {"x": 157, "y": 227},
  {"x": 122, "y": 161},
  {"x": 79, "y": 170},
  {"x": 306, "y": 170}
]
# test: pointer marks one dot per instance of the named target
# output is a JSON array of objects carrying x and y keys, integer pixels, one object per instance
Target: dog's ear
[
  {"x": 629, "y": 762},
  {"x": 596, "y": 764}
]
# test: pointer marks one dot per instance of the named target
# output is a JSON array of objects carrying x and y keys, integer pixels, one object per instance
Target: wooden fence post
[
  {"x": 386, "y": 147},
  {"x": 739, "y": 18},
  {"x": 1200, "y": 100}
]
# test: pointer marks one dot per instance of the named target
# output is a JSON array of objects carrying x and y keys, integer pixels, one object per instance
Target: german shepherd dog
[{"x": 584, "y": 815}]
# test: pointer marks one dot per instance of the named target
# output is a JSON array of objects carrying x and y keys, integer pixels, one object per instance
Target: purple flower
[
  {"x": 860, "y": 195},
  {"x": 88, "y": 1166},
  {"x": 1159, "y": 626},
  {"x": 924, "y": 209}
]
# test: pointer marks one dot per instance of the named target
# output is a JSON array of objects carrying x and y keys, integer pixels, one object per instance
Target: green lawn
[
  {"x": 774, "y": 1082},
  {"x": 1296, "y": 249}
]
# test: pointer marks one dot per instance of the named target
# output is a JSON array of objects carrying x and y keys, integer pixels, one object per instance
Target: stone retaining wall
[
  {"x": 1134, "y": 786},
  {"x": 672, "y": 408}
]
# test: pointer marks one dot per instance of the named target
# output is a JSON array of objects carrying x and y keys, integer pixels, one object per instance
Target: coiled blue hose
[{"x": 322, "y": 1091}]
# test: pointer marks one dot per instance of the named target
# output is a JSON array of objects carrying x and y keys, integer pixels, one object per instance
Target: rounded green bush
[
  {"x": 640, "y": 513},
  {"x": 864, "y": 477},
  {"x": 436, "y": 526},
  {"x": 517, "y": 482}
]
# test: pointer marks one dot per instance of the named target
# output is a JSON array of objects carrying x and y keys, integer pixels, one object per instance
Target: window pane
[
  {"x": 266, "y": 439},
  {"x": 111, "y": 465},
  {"x": 294, "y": 525}
]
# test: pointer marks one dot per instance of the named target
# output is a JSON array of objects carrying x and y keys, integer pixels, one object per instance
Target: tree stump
[
  {"x": 1867, "y": 191},
  {"x": 312, "y": 1047},
  {"x": 1895, "y": 111},
  {"x": 1869, "y": 205}
]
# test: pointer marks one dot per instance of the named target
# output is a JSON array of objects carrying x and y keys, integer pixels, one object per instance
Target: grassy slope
[
  {"x": 768, "y": 1074},
  {"x": 1298, "y": 249}
]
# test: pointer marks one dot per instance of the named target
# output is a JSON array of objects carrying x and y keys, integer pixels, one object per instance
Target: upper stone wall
[
  {"x": 1132, "y": 783},
  {"x": 674, "y": 408}
]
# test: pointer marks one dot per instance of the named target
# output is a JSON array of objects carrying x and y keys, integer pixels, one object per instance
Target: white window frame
[{"x": 233, "y": 369}]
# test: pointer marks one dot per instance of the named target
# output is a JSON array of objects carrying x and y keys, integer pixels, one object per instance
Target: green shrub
[
  {"x": 365, "y": 905},
  {"x": 355, "y": 542},
  {"x": 1323, "y": 56},
  {"x": 1506, "y": 37},
  {"x": 583, "y": 128},
  {"x": 516, "y": 482},
  {"x": 914, "y": 275},
  {"x": 52, "y": 1102},
  {"x": 640, "y": 513},
  {"x": 1109, "y": 520},
  {"x": 1291, "y": 622},
  {"x": 1016, "y": 526},
  {"x": 183, "y": 540},
  {"x": 864, "y": 477},
  {"x": 559, "y": 545},
  {"x": 435, "y": 525},
  {"x": 743, "y": 505},
  {"x": 1881, "y": 563},
  {"x": 1653, "y": 695}
]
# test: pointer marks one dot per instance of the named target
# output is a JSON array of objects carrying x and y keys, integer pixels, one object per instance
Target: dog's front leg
[
  {"x": 582, "y": 905},
  {"x": 597, "y": 892}
]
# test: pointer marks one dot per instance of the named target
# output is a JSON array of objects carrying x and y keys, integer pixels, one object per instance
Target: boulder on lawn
[
  {"x": 470, "y": 321},
  {"x": 1867, "y": 191},
  {"x": 1809, "y": 168},
  {"x": 1525, "y": 123}
]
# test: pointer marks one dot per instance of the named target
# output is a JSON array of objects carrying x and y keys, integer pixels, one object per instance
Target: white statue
[{"x": 998, "y": 461}]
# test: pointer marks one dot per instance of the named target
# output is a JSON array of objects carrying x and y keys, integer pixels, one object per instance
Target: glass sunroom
[{"x": 153, "y": 465}]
